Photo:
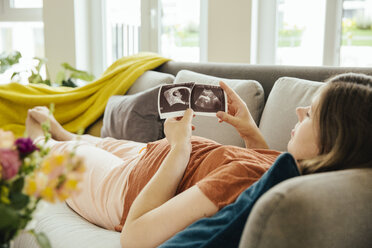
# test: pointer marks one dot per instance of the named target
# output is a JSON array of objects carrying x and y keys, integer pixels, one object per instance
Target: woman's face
[{"x": 304, "y": 136}]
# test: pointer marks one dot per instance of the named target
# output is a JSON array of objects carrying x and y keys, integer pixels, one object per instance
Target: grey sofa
[{"x": 331, "y": 209}]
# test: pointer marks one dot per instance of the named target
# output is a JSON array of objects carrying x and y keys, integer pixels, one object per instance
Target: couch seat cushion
[{"x": 65, "y": 228}]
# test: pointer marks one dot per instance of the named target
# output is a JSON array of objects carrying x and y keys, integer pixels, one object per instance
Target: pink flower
[{"x": 10, "y": 163}]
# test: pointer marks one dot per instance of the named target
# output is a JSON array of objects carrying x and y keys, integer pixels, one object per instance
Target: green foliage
[
  {"x": 363, "y": 21},
  {"x": 10, "y": 220},
  {"x": 35, "y": 77},
  {"x": 73, "y": 74},
  {"x": 15, "y": 213},
  {"x": 9, "y": 59},
  {"x": 356, "y": 34},
  {"x": 66, "y": 77},
  {"x": 290, "y": 37},
  {"x": 41, "y": 239}
]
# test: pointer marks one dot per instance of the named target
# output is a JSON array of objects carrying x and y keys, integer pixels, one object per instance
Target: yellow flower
[
  {"x": 59, "y": 159},
  {"x": 31, "y": 187},
  {"x": 71, "y": 184},
  {"x": 57, "y": 177},
  {"x": 46, "y": 167},
  {"x": 63, "y": 195},
  {"x": 6, "y": 139},
  {"x": 48, "y": 194},
  {"x": 36, "y": 183}
]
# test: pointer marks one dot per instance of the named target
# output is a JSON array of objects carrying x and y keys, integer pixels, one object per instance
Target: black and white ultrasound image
[
  {"x": 207, "y": 98},
  {"x": 174, "y": 97}
]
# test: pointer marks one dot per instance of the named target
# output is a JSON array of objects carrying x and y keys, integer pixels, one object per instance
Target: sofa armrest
[{"x": 332, "y": 209}]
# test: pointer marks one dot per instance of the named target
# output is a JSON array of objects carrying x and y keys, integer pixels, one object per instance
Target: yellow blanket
[{"x": 75, "y": 108}]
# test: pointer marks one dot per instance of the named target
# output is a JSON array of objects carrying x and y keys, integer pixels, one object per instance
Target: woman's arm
[
  {"x": 239, "y": 117},
  {"x": 156, "y": 214}
]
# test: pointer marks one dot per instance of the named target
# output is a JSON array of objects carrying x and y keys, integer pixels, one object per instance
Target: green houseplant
[{"x": 67, "y": 76}]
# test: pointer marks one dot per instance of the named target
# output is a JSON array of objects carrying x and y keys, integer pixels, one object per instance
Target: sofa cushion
[
  {"x": 64, "y": 228},
  {"x": 150, "y": 79},
  {"x": 133, "y": 117},
  {"x": 279, "y": 115},
  {"x": 249, "y": 90}
]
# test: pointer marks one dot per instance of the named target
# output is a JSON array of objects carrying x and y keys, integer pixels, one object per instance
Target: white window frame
[
  {"x": 150, "y": 27},
  {"x": 264, "y": 29},
  {"x": 8, "y": 14}
]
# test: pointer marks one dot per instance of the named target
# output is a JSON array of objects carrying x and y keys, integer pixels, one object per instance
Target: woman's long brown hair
[{"x": 344, "y": 116}]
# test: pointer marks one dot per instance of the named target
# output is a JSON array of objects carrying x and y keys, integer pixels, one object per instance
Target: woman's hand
[
  {"x": 178, "y": 130},
  {"x": 239, "y": 117},
  {"x": 238, "y": 114}
]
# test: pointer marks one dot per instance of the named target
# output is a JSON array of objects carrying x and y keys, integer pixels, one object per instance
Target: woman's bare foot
[
  {"x": 41, "y": 115},
  {"x": 33, "y": 128}
]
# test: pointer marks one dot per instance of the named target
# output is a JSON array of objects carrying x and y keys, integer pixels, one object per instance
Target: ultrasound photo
[
  {"x": 208, "y": 99},
  {"x": 204, "y": 99}
]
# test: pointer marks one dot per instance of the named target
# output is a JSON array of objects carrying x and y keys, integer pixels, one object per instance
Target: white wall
[
  {"x": 229, "y": 31},
  {"x": 73, "y": 33},
  {"x": 59, "y": 34}
]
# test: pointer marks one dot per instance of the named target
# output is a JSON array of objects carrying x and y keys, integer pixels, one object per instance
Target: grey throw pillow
[
  {"x": 150, "y": 79},
  {"x": 133, "y": 117}
]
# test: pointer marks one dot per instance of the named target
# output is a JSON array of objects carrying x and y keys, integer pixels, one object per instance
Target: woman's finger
[
  {"x": 223, "y": 116},
  {"x": 231, "y": 94},
  {"x": 187, "y": 117}
]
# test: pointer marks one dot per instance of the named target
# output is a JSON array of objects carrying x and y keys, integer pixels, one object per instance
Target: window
[
  {"x": 26, "y": 4},
  {"x": 317, "y": 32},
  {"x": 21, "y": 29},
  {"x": 168, "y": 27},
  {"x": 300, "y": 32},
  {"x": 356, "y": 46},
  {"x": 179, "y": 30},
  {"x": 123, "y": 28}
]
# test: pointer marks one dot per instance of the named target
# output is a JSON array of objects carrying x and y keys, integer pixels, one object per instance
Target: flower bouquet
[{"x": 29, "y": 174}]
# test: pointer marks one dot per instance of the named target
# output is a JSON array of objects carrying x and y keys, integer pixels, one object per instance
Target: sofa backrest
[
  {"x": 265, "y": 74},
  {"x": 332, "y": 209}
]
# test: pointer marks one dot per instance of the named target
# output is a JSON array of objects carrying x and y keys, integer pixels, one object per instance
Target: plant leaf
[
  {"x": 14, "y": 74},
  {"x": 7, "y": 59},
  {"x": 9, "y": 218},
  {"x": 42, "y": 61},
  {"x": 17, "y": 185},
  {"x": 83, "y": 75},
  {"x": 47, "y": 82},
  {"x": 42, "y": 240},
  {"x": 69, "y": 83},
  {"x": 35, "y": 79},
  {"x": 60, "y": 77},
  {"x": 18, "y": 200},
  {"x": 67, "y": 66}
]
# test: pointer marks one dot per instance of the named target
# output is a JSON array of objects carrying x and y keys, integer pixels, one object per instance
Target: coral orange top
[{"x": 221, "y": 172}]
